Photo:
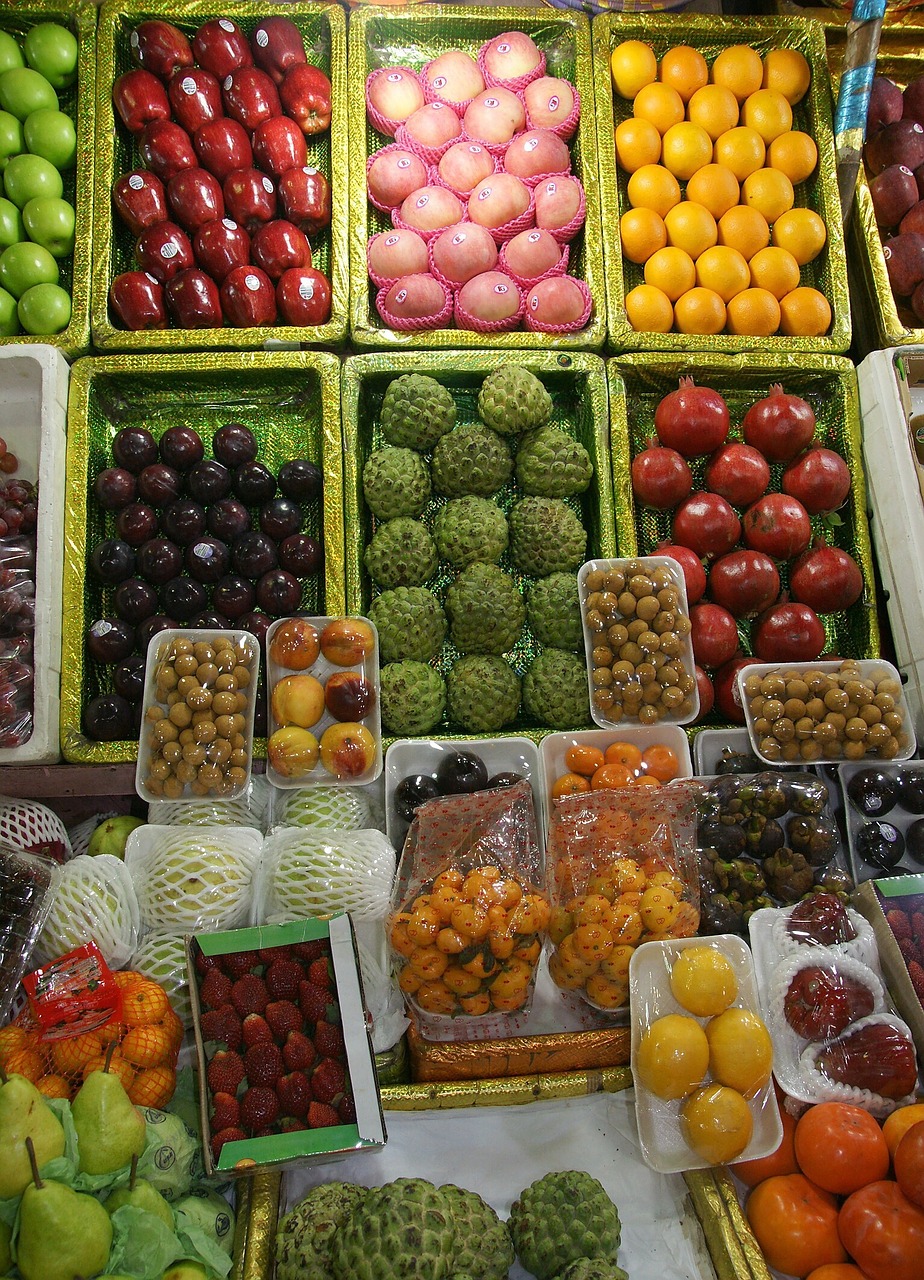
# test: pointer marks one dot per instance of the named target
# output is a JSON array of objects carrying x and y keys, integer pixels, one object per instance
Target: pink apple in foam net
[
  {"x": 393, "y": 175},
  {"x": 532, "y": 253},
  {"x": 498, "y": 200},
  {"x": 549, "y": 102},
  {"x": 415, "y": 297},
  {"x": 431, "y": 209},
  {"x": 464, "y": 165},
  {"x": 455, "y": 76},
  {"x": 494, "y": 116},
  {"x": 394, "y": 93},
  {"x": 491, "y": 296},
  {"x": 558, "y": 300},
  {"x": 557, "y": 202},
  {"x": 464, "y": 251},
  {"x": 511, "y": 55},
  {"x": 391, "y": 254},
  {"x": 433, "y": 125},
  {"x": 535, "y": 152}
]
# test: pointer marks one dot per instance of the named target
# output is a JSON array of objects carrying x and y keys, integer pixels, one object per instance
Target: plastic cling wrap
[
  {"x": 24, "y": 899},
  {"x": 317, "y": 872}
]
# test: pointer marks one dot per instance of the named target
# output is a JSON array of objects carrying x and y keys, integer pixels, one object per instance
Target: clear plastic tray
[
  {"x": 367, "y": 666},
  {"x": 897, "y": 815},
  {"x": 25, "y": 890},
  {"x": 650, "y": 712},
  {"x": 248, "y": 652}
]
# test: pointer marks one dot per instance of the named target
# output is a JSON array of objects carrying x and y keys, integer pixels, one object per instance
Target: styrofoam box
[
  {"x": 33, "y": 422},
  {"x": 892, "y": 407}
]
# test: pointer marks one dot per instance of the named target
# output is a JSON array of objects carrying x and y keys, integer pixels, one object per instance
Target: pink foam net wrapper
[
  {"x": 415, "y": 324},
  {"x": 429, "y": 155},
  {"x": 382, "y": 123},
  {"x": 526, "y": 282},
  {"x": 567, "y": 127},
  {"x": 570, "y": 229},
  {"x": 381, "y": 282},
  {"x": 538, "y": 178},
  {"x": 496, "y": 149},
  {"x": 496, "y": 162},
  {"x": 427, "y": 235},
  {"x": 377, "y": 155},
  {"x": 443, "y": 279},
  {"x": 523, "y": 222},
  {"x": 516, "y": 84},
  {"x": 537, "y": 326},
  {"x": 465, "y": 320}
]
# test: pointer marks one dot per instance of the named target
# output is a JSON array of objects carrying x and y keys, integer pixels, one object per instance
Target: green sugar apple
[
  {"x": 553, "y": 610},
  {"x": 416, "y": 411},
  {"x": 512, "y": 400},
  {"x": 552, "y": 464},
  {"x": 562, "y": 1218},
  {"x": 483, "y": 693},
  {"x": 412, "y": 697},
  {"x": 396, "y": 482},
  {"x": 410, "y": 622},
  {"x": 486, "y": 611},
  {"x": 469, "y": 529},
  {"x": 555, "y": 690},
  {"x": 471, "y": 460},
  {"x": 546, "y": 537},
  {"x": 401, "y": 554}
]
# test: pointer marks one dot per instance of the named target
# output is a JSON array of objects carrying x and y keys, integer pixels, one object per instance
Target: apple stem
[
  {"x": 4, "y": 1078},
  {"x": 134, "y": 1173},
  {"x": 109, "y": 1052},
  {"x": 34, "y": 1163}
]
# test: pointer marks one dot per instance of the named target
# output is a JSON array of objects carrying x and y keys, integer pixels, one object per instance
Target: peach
[
  {"x": 464, "y": 165},
  {"x": 396, "y": 253},
  {"x": 348, "y": 695},
  {"x": 557, "y": 202},
  {"x": 346, "y": 642},
  {"x": 298, "y": 700},
  {"x": 433, "y": 125},
  {"x": 292, "y": 751},
  {"x": 347, "y": 750},
  {"x": 393, "y": 175},
  {"x": 455, "y": 76},
  {"x": 395, "y": 94},
  {"x": 511, "y": 55},
  {"x": 558, "y": 300},
  {"x": 491, "y": 296},
  {"x": 494, "y": 116},
  {"x": 549, "y": 101},
  {"x": 537, "y": 151},
  {"x": 415, "y": 297},
  {"x": 531, "y": 254},
  {"x": 498, "y": 200},
  {"x": 463, "y": 251},
  {"x": 295, "y": 644},
  {"x": 431, "y": 209}
]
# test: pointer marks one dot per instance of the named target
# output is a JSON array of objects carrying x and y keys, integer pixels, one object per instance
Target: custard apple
[
  {"x": 401, "y": 554},
  {"x": 410, "y": 622},
  {"x": 562, "y": 1218},
  {"x": 471, "y": 459},
  {"x": 396, "y": 482},
  {"x": 546, "y": 537},
  {"x": 401, "y": 1231},
  {"x": 483, "y": 1246},
  {"x": 512, "y": 400},
  {"x": 412, "y": 697},
  {"x": 592, "y": 1269},
  {"x": 469, "y": 529},
  {"x": 553, "y": 610},
  {"x": 483, "y": 693},
  {"x": 305, "y": 1234},
  {"x": 555, "y": 690},
  {"x": 416, "y": 411},
  {"x": 486, "y": 611},
  {"x": 552, "y": 464}
]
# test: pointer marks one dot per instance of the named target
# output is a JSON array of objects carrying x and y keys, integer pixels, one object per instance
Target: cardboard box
[{"x": 874, "y": 899}]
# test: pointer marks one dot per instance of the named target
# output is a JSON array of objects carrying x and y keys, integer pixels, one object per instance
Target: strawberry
[
  {"x": 270, "y": 954},
  {"x": 225, "y": 1071},
  {"x": 298, "y": 1052},
  {"x": 917, "y": 927},
  {"x": 259, "y": 1108},
  {"x": 215, "y": 990},
  {"x": 268, "y": 1131},
  {"x": 237, "y": 963},
  {"x": 263, "y": 1064},
  {"x": 283, "y": 1016},
  {"x": 249, "y": 995},
  {"x": 313, "y": 1001},
  {"x": 256, "y": 1030},
  {"x": 899, "y": 923},
  {"x": 222, "y": 1025},
  {"x": 328, "y": 1040},
  {"x": 231, "y": 1134},
  {"x": 909, "y": 950},
  {"x": 319, "y": 972},
  {"x": 328, "y": 1081},
  {"x": 916, "y": 973},
  {"x": 294, "y": 1093},
  {"x": 291, "y": 1125},
  {"x": 346, "y": 1109},
  {"x": 282, "y": 979},
  {"x": 308, "y": 951},
  {"x": 226, "y": 1112},
  {"x": 204, "y": 963},
  {"x": 321, "y": 1116}
]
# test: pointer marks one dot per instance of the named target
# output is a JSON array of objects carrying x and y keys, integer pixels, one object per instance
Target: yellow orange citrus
[
  {"x": 787, "y": 71},
  {"x": 660, "y": 104},
  {"x": 896, "y": 1125},
  {"x": 754, "y": 312},
  {"x": 768, "y": 191},
  {"x": 742, "y": 150},
  {"x": 653, "y": 187},
  {"x": 672, "y": 271},
  {"x": 672, "y": 1056},
  {"x": 794, "y": 154},
  {"x": 649, "y": 309},
  {"x": 738, "y": 68},
  {"x": 744, "y": 229},
  {"x": 25, "y": 1062},
  {"x": 714, "y": 108},
  {"x": 144, "y": 1003},
  {"x": 717, "y": 1123},
  {"x": 699, "y": 311},
  {"x": 723, "y": 270},
  {"x": 690, "y": 227},
  {"x": 72, "y": 1055},
  {"x": 740, "y": 1050},
  {"x": 768, "y": 112},
  {"x": 802, "y": 232},
  {"x": 149, "y": 1046},
  {"x": 153, "y": 1087},
  {"x": 684, "y": 69},
  {"x": 637, "y": 142},
  {"x": 775, "y": 270},
  {"x": 685, "y": 148},
  {"x": 117, "y": 1066},
  {"x": 805, "y": 313},
  {"x": 703, "y": 981},
  {"x": 11, "y": 1039},
  {"x": 715, "y": 188},
  {"x": 632, "y": 65}
]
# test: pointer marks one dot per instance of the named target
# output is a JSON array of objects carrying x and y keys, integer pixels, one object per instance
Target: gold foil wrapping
[
  {"x": 79, "y": 16},
  {"x": 710, "y": 34},
  {"x": 587, "y": 1051},
  {"x": 256, "y": 1202},
  {"x": 291, "y": 401},
  {"x": 735, "y": 1253},
  {"x": 513, "y": 1092},
  {"x": 323, "y": 27},
  {"x": 411, "y": 36}
]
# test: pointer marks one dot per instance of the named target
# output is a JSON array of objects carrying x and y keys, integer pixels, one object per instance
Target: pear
[
  {"x": 24, "y": 1113},
  {"x": 62, "y": 1233},
  {"x": 6, "y": 1258},
  {"x": 185, "y": 1271},
  {"x": 140, "y": 1195},
  {"x": 110, "y": 1128}
]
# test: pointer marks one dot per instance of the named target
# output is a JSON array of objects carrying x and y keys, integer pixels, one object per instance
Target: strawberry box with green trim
[{"x": 894, "y": 906}]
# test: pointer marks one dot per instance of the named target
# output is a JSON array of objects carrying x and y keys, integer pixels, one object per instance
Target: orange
[
  {"x": 653, "y": 187},
  {"x": 768, "y": 112},
  {"x": 794, "y": 154},
  {"x": 740, "y": 1050},
  {"x": 25, "y": 1062},
  {"x": 685, "y": 148},
  {"x": 11, "y": 1039},
  {"x": 52, "y": 1086},
  {"x": 569, "y": 784},
  {"x": 897, "y": 1124},
  {"x": 744, "y": 229},
  {"x": 117, "y": 1066},
  {"x": 715, "y": 108},
  {"x": 684, "y": 69},
  {"x": 775, "y": 270},
  {"x": 660, "y": 104},
  {"x": 723, "y": 270},
  {"x": 805, "y": 313},
  {"x": 153, "y": 1087},
  {"x": 716, "y": 1122},
  {"x": 72, "y": 1055},
  {"x": 626, "y": 753},
  {"x": 584, "y": 759},
  {"x": 742, "y": 150},
  {"x": 127, "y": 978},
  {"x": 802, "y": 232},
  {"x": 739, "y": 69},
  {"x": 754, "y": 313},
  {"x": 672, "y": 1056},
  {"x": 610, "y": 776},
  {"x": 702, "y": 981},
  {"x": 632, "y": 65},
  {"x": 768, "y": 191},
  {"x": 690, "y": 227},
  {"x": 699, "y": 311},
  {"x": 672, "y": 271},
  {"x": 787, "y": 71},
  {"x": 715, "y": 188},
  {"x": 649, "y": 310},
  {"x": 637, "y": 142},
  {"x": 661, "y": 761},
  {"x": 146, "y": 1046},
  {"x": 642, "y": 232}
]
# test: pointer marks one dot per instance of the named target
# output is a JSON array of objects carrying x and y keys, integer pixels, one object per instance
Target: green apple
[
  {"x": 23, "y": 91},
  {"x": 24, "y": 264},
  {"x": 10, "y": 53},
  {"x": 50, "y": 222},
  {"x": 9, "y": 315},
  {"x": 44, "y": 309},
  {"x": 12, "y": 138},
  {"x": 51, "y": 134},
  {"x": 26, "y": 177},
  {"x": 51, "y": 50},
  {"x": 112, "y": 835},
  {"x": 12, "y": 227}
]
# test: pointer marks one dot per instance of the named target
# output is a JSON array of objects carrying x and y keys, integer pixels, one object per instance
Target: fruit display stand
[
  {"x": 291, "y": 401},
  {"x": 323, "y": 28},
  {"x": 77, "y": 101},
  {"x": 710, "y": 35}
]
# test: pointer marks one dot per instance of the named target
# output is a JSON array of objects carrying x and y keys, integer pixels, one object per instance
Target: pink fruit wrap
[
  {"x": 525, "y": 282},
  {"x": 516, "y": 84},
  {"x": 537, "y": 326},
  {"x": 417, "y": 325},
  {"x": 376, "y": 119}
]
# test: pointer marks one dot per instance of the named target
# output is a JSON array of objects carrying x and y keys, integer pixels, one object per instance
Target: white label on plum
[
  {"x": 553, "y": 102},
  {"x": 229, "y": 223},
  {"x": 252, "y": 282},
  {"x": 531, "y": 145},
  {"x": 188, "y": 85},
  {"x": 203, "y": 549},
  {"x": 404, "y": 163},
  {"x": 227, "y": 82},
  {"x": 153, "y": 279},
  {"x": 103, "y": 627},
  {"x": 134, "y": 40},
  {"x": 392, "y": 240},
  {"x": 395, "y": 77},
  {"x": 501, "y": 288},
  {"x": 262, "y": 38},
  {"x": 169, "y": 250},
  {"x": 492, "y": 102},
  {"x": 310, "y": 172},
  {"x": 439, "y": 82},
  {"x": 267, "y": 184},
  {"x": 459, "y": 238},
  {"x": 225, "y": 24},
  {"x": 306, "y": 290},
  {"x": 401, "y": 295},
  {"x": 422, "y": 200},
  {"x": 136, "y": 182}
]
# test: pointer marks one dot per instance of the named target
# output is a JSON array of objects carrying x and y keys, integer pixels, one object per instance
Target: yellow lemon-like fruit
[
  {"x": 739, "y": 68},
  {"x": 768, "y": 191},
  {"x": 723, "y": 270},
  {"x": 699, "y": 311},
  {"x": 685, "y": 148},
  {"x": 637, "y": 142},
  {"x": 672, "y": 1056},
  {"x": 787, "y": 71},
  {"x": 649, "y": 310},
  {"x": 660, "y": 104},
  {"x": 714, "y": 108},
  {"x": 753, "y": 312},
  {"x": 716, "y": 1123},
  {"x": 805, "y": 313},
  {"x": 775, "y": 270},
  {"x": 653, "y": 187},
  {"x": 768, "y": 112},
  {"x": 744, "y": 229},
  {"x": 633, "y": 65},
  {"x": 672, "y": 271},
  {"x": 794, "y": 154},
  {"x": 742, "y": 150},
  {"x": 715, "y": 188},
  {"x": 690, "y": 227},
  {"x": 684, "y": 69},
  {"x": 740, "y": 1051},
  {"x": 802, "y": 232},
  {"x": 703, "y": 981},
  {"x": 642, "y": 232}
]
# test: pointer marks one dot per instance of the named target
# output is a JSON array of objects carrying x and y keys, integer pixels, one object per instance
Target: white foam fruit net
[
  {"x": 161, "y": 955},
  {"x": 247, "y": 810},
  {"x": 94, "y": 899},
  {"x": 190, "y": 878},
  {"x": 318, "y": 873},
  {"x": 322, "y": 808},
  {"x": 28, "y": 825}
]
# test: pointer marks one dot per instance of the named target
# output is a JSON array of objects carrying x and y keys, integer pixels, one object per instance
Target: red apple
[
  {"x": 306, "y": 199},
  {"x": 163, "y": 251},
  {"x": 223, "y": 146},
  {"x": 250, "y": 97},
  {"x": 139, "y": 199},
  {"x": 278, "y": 245},
  {"x": 305, "y": 94},
  {"x": 220, "y": 46},
  {"x": 303, "y": 296},
  {"x": 248, "y": 298},
  {"x": 276, "y": 44},
  {"x": 195, "y": 198},
  {"x": 166, "y": 148},
  {"x": 160, "y": 47},
  {"x": 137, "y": 300},
  {"x": 221, "y": 246},
  {"x": 279, "y": 144},
  {"x": 194, "y": 301},
  {"x": 250, "y": 198},
  {"x": 195, "y": 96},
  {"x": 139, "y": 97}
]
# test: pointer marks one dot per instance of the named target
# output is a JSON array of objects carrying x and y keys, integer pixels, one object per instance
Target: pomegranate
[
  {"x": 820, "y": 479},
  {"x": 693, "y": 420},
  {"x": 714, "y": 634},
  {"x": 826, "y": 578},
  {"x": 744, "y": 582},
  {"x": 660, "y": 477},
  {"x": 739, "y": 473},
  {"x": 778, "y": 525},
  {"x": 779, "y": 425},
  {"x": 706, "y": 694},
  {"x": 727, "y": 697},
  {"x": 707, "y": 524},
  {"x": 790, "y": 632},
  {"x": 694, "y": 575}
]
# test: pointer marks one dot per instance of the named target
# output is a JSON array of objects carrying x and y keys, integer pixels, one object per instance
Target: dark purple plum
[
  {"x": 280, "y": 518},
  {"x": 183, "y": 597},
  {"x": 885, "y": 104},
  {"x": 904, "y": 258},
  {"x": 134, "y": 448},
  {"x": 181, "y": 448},
  {"x": 112, "y": 561},
  {"x": 109, "y": 640},
  {"x": 234, "y": 444},
  {"x": 301, "y": 480},
  {"x": 911, "y": 790},
  {"x": 914, "y": 840},
  {"x": 913, "y": 100},
  {"x": 506, "y": 779},
  {"x": 159, "y": 560},
  {"x": 302, "y": 555},
  {"x": 898, "y": 143},
  {"x": 279, "y": 593},
  {"x": 208, "y": 481},
  {"x": 254, "y": 484},
  {"x": 183, "y": 521},
  {"x": 207, "y": 559},
  {"x": 136, "y": 524},
  {"x": 135, "y": 600},
  {"x": 114, "y": 488},
  {"x": 256, "y": 623},
  {"x": 152, "y": 627},
  {"x": 894, "y": 193},
  {"x": 253, "y": 554},
  {"x": 411, "y": 792},
  {"x": 108, "y": 718},
  {"x": 873, "y": 792},
  {"x": 233, "y": 595},
  {"x": 160, "y": 485},
  {"x": 209, "y": 621},
  {"x": 461, "y": 771},
  {"x": 880, "y": 844},
  {"x": 227, "y": 519},
  {"x": 128, "y": 678}
]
